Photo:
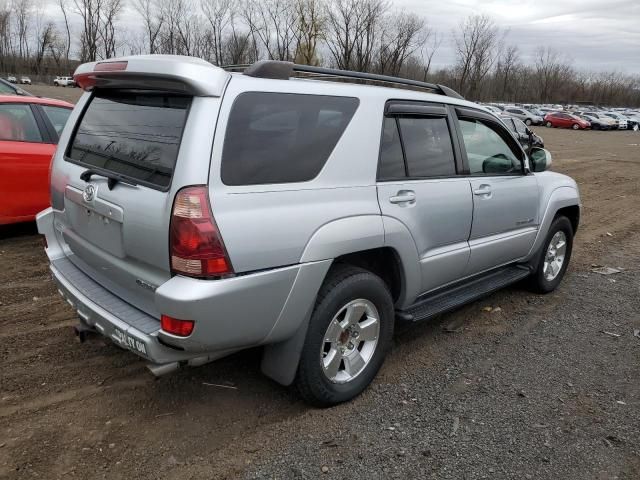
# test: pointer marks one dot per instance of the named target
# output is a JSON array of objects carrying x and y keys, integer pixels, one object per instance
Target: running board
[{"x": 463, "y": 293}]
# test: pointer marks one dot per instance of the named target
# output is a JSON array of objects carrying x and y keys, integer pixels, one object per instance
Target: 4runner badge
[{"x": 89, "y": 192}]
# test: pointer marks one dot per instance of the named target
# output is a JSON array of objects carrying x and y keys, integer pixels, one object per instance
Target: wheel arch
[{"x": 564, "y": 200}]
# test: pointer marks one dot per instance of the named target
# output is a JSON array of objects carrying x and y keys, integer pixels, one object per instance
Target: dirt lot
[
  {"x": 62, "y": 93},
  {"x": 533, "y": 390}
]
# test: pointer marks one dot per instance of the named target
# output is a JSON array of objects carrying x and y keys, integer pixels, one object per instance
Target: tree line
[{"x": 363, "y": 35}]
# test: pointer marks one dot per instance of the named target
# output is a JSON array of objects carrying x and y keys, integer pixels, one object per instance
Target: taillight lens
[
  {"x": 196, "y": 247},
  {"x": 174, "y": 326}
]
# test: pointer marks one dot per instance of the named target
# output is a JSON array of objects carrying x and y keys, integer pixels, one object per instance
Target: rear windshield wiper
[{"x": 112, "y": 178}]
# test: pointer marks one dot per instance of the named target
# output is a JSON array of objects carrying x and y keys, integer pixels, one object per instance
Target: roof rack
[{"x": 276, "y": 69}]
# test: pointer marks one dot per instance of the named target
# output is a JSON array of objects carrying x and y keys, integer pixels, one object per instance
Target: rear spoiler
[{"x": 169, "y": 73}]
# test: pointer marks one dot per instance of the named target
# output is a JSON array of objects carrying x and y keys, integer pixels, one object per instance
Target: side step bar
[{"x": 462, "y": 293}]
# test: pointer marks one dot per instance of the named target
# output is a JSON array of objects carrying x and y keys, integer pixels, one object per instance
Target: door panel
[
  {"x": 505, "y": 199},
  {"x": 439, "y": 218},
  {"x": 24, "y": 179},
  {"x": 437, "y": 211}
]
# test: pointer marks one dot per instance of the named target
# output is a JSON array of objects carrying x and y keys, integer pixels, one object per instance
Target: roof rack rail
[{"x": 276, "y": 69}]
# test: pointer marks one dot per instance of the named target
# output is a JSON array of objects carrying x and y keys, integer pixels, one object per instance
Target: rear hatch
[{"x": 116, "y": 173}]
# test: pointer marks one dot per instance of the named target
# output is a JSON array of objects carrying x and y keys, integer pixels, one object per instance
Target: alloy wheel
[
  {"x": 350, "y": 341},
  {"x": 555, "y": 255}
]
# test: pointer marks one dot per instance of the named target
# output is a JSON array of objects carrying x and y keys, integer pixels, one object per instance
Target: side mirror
[{"x": 541, "y": 159}]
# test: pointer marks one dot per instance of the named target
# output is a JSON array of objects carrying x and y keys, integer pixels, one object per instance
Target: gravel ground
[{"x": 531, "y": 389}]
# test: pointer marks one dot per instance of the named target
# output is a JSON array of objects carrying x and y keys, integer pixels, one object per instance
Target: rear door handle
[
  {"x": 403, "y": 197},
  {"x": 483, "y": 190}
]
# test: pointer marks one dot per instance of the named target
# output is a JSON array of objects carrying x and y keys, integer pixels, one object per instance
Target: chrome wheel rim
[
  {"x": 350, "y": 341},
  {"x": 554, "y": 258}
]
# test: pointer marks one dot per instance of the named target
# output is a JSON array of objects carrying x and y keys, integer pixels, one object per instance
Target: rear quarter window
[{"x": 282, "y": 137}]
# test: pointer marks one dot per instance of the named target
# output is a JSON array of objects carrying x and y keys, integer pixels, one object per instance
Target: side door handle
[
  {"x": 403, "y": 197},
  {"x": 483, "y": 190}
]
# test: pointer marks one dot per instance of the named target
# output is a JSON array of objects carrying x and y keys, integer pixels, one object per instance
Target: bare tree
[
  {"x": 552, "y": 70},
  {"x": 46, "y": 39},
  {"x": 272, "y": 24},
  {"x": 310, "y": 25},
  {"x": 352, "y": 32},
  {"x": 63, "y": 4},
  {"x": 476, "y": 45},
  {"x": 220, "y": 15},
  {"x": 506, "y": 67},
  {"x": 110, "y": 11},
  {"x": 5, "y": 36},
  {"x": 401, "y": 35},
  {"x": 90, "y": 11},
  {"x": 432, "y": 44},
  {"x": 22, "y": 10},
  {"x": 153, "y": 19}
]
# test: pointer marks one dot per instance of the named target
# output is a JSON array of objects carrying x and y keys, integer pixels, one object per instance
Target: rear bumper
[
  {"x": 108, "y": 315},
  {"x": 230, "y": 314}
]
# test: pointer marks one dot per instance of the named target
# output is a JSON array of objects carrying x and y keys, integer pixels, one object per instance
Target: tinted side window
[
  {"x": 427, "y": 146},
  {"x": 280, "y": 137},
  {"x": 488, "y": 151},
  {"x": 391, "y": 157},
  {"x": 18, "y": 124}
]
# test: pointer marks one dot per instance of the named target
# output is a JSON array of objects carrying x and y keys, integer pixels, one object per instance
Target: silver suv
[{"x": 197, "y": 212}]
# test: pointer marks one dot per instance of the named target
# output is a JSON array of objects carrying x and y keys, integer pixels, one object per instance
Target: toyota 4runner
[{"x": 197, "y": 212}]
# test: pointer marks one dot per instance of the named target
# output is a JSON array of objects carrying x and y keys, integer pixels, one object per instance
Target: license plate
[{"x": 129, "y": 342}]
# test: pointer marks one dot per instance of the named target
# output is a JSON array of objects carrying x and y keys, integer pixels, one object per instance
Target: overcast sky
[
  {"x": 599, "y": 35},
  {"x": 595, "y": 34}
]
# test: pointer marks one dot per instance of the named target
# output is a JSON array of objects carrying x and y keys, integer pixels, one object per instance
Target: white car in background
[
  {"x": 623, "y": 122},
  {"x": 64, "y": 82},
  {"x": 25, "y": 80}
]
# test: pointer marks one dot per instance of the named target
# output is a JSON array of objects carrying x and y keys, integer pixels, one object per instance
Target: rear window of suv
[
  {"x": 282, "y": 137},
  {"x": 135, "y": 135}
]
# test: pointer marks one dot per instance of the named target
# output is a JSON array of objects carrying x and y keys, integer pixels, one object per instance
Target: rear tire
[
  {"x": 575, "y": 126},
  {"x": 344, "y": 348},
  {"x": 549, "y": 270}
]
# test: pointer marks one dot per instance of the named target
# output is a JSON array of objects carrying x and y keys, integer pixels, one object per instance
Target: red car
[
  {"x": 29, "y": 130},
  {"x": 565, "y": 120}
]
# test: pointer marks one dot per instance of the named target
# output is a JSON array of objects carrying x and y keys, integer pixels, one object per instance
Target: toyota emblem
[{"x": 89, "y": 192}]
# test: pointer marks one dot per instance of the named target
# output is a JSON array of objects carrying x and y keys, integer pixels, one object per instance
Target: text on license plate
[{"x": 130, "y": 342}]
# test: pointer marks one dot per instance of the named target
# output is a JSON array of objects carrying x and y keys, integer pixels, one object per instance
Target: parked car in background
[
  {"x": 523, "y": 133},
  {"x": 29, "y": 131},
  {"x": 493, "y": 109},
  {"x": 614, "y": 123},
  {"x": 25, "y": 81},
  {"x": 64, "y": 82},
  {"x": 160, "y": 190},
  {"x": 565, "y": 120},
  {"x": 624, "y": 122},
  {"x": 635, "y": 118},
  {"x": 596, "y": 123},
  {"x": 7, "y": 88},
  {"x": 12, "y": 79},
  {"x": 528, "y": 117}
]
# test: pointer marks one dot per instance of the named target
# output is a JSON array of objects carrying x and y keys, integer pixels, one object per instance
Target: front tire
[
  {"x": 575, "y": 126},
  {"x": 549, "y": 125},
  {"x": 528, "y": 122},
  {"x": 554, "y": 257},
  {"x": 349, "y": 335}
]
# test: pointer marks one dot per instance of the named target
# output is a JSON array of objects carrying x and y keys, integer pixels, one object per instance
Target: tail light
[
  {"x": 195, "y": 244},
  {"x": 180, "y": 328}
]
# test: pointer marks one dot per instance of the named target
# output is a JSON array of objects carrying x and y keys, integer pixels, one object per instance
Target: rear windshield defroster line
[{"x": 135, "y": 135}]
